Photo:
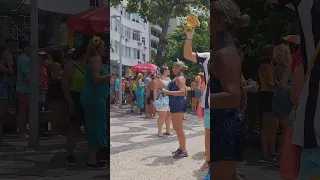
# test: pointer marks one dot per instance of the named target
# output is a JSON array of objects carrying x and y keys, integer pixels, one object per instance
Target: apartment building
[
  {"x": 134, "y": 33},
  {"x": 155, "y": 34}
]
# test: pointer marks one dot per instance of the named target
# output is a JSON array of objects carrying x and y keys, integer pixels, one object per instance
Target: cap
[
  {"x": 201, "y": 73},
  {"x": 42, "y": 53},
  {"x": 24, "y": 43}
]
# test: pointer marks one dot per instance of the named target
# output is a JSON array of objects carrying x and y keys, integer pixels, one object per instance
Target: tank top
[
  {"x": 78, "y": 82},
  {"x": 264, "y": 85},
  {"x": 134, "y": 87},
  {"x": 166, "y": 82}
]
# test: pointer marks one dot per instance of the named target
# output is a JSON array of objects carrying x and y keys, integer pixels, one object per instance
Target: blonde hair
[
  {"x": 197, "y": 78},
  {"x": 140, "y": 76},
  {"x": 182, "y": 66},
  {"x": 281, "y": 55},
  {"x": 228, "y": 8},
  {"x": 94, "y": 43}
]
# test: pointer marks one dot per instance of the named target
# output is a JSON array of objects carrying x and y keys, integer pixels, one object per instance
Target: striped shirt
[
  {"x": 203, "y": 59},
  {"x": 307, "y": 124}
]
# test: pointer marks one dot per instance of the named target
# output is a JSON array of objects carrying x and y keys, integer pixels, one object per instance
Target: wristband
[{"x": 188, "y": 39}]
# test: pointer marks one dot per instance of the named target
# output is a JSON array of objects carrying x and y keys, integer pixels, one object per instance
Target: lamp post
[
  {"x": 34, "y": 75},
  {"x": 120, "y": 59}
]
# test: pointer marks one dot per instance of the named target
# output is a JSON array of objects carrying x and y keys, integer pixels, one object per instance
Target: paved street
[
  {"x": 47, "y": 163},
  {"x": 137, "y": 153}
]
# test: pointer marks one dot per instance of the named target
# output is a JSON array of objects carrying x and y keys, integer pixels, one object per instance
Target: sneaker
[
  {"x": 97, "y": 166},
  {"x": 70, "y": 159},
  {"x": 181, "y": 155},
  {"x": 176, "y": 152},
  {"x": 207, "y": 177}
]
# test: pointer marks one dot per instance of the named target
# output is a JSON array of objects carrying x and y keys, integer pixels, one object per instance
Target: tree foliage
[
  {"x": 268, "y": 24},
  {"x": 200, "y": 43},
  {"x": 160, "y": 13}
]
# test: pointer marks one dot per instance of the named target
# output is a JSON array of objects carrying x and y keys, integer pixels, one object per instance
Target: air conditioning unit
[
  {"x": 127, "y": 40},
  {"x": 145, "y": 47},
  {"x": 139, "y": 43}
]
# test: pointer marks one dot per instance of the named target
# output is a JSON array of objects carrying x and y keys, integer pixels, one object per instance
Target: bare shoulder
[{"x": 181, "y": 79}]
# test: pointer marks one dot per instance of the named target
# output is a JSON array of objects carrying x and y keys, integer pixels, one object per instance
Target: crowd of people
[
  {"x": 286, "y": 85},
  {"x": 73, "y": 87}
]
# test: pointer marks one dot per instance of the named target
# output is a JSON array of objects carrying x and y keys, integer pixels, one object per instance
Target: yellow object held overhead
[{"x": 192, "y": 19}]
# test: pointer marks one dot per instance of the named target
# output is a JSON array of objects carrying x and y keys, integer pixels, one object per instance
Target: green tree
[
  {"x": 268, "y": 24},
  {"x": 201, "y": 43},
  {"x": 159, "y": 12}
]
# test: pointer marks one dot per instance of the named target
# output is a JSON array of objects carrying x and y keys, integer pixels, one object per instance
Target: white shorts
[{"x": 166, "y": 108}]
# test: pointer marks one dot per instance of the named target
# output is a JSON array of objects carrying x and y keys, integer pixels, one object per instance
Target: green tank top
[
  {"x": 78, "y": 82},
  {"x": 134, "y": 87}
]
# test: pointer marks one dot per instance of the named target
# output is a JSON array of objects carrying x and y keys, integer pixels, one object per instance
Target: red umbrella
[
  {"x": 93, "y": 21},
  {"x": 144, "y": 67}
]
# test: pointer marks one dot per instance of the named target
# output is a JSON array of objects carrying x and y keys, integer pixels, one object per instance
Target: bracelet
[{"x": 188, "y": 39}]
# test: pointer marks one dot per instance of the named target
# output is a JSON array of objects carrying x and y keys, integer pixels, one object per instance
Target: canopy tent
[{"x": 94, "y": 21}]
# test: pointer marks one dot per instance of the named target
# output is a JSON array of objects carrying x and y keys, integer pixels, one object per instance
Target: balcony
[
  {"x": 156, "y": 28},
  {"x": 154, "y": 39}
]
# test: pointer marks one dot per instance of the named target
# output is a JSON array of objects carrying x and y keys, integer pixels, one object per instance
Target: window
[
  {"x": 127, "y": 15},
  {"x": 127, "y": 51},
  {"x": 144, "y": 57},
  {"x": 117, "y": 47},
  {"x": 117, "y": 25},
  {"x": 136, "y": 35},
  {"x": 111, "y": 24},
  {"x": 135, "y": 18},
  {"x": 94, "y": 3},
  {"x": 136, "y": 53},
  {"x": 127, "y": 32},
  {"x": 144, "y": 41}
]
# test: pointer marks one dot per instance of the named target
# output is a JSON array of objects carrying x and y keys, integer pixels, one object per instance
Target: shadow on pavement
[
  {"x": 199, "y": 174},
  {"x": 47, "y": 161},
  {"x": 160, "y": 160},
  {"x": 198, "y": 156}
]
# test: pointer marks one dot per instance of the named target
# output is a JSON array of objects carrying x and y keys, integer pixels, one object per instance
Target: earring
[{"x": 220, "y": 36}]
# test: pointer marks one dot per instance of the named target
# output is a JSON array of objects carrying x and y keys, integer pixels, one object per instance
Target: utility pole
[
  {"x": 34, "y": 76},
  {"x": 120, "y": 65}
]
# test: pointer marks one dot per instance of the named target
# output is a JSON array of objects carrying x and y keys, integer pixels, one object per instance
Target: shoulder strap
[
  {"x": 75, "y": 64},
  {"x": 313, "y": 60}
]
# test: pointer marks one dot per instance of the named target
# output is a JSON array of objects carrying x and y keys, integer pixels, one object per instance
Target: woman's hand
[
  {"x": 164, "y": 91},
  {"x": 189, "y": 33}
]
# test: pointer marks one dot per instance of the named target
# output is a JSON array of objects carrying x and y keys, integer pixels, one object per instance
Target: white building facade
[{"x": 135, "y": 35}]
